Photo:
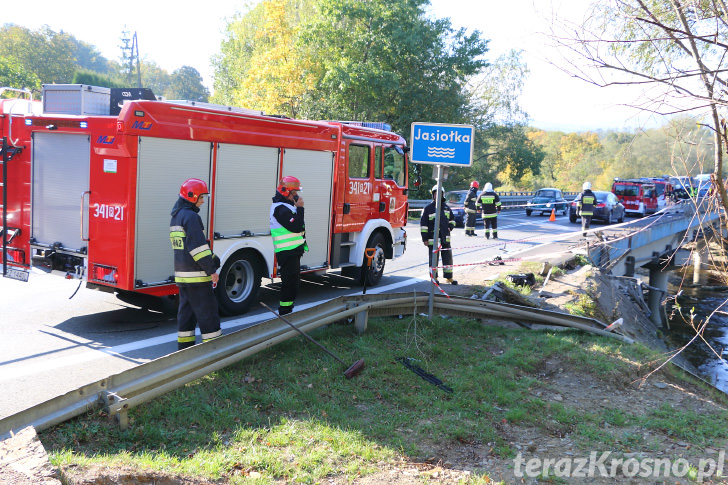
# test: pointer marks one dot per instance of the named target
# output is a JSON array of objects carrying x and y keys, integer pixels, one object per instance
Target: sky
[{"x": 185, "y": 33}]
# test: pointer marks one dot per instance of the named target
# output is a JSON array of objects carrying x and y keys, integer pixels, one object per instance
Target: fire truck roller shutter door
[
  {"x": 315, "y": 171},
  {"x": 163, "y": 165},
  {"x": 249, "y": 173},
  {"x": 61, "y": 167},
  {"x": 245, "y": 181}
]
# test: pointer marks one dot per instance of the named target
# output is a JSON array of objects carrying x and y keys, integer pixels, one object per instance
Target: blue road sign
[{"x": 439, "y": 144}]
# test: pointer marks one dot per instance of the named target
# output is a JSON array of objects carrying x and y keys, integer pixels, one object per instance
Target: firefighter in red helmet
[
  {"x": 470, "y": 212},
  {"x": 195, "y": 267},
  {"x": 289, "y": 243}
]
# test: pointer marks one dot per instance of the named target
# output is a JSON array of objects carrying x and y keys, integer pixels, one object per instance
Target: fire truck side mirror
[{"x": 418, "y": 179}]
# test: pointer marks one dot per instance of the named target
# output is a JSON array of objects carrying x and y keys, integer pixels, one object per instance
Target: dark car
[
  {"x": 545, "y": 200},
  {"x": 608, "y": 208},
  {"x": 456, "y": 201}
]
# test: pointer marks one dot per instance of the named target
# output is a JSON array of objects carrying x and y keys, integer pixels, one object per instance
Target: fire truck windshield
[{"x": 626, "y": 190}]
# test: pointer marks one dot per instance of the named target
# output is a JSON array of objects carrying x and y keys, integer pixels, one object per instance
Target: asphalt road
[{"x": 56, "y": 336}]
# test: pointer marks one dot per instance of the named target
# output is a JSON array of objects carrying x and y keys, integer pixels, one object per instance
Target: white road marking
[{"x": 28, "y": 369}]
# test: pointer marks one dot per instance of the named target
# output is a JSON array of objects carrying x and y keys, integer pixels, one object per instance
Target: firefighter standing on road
[
  {"x": 585, "y": 206},
  {"x": 427, "y": 229},
  {"x": 289, "y": 243},
  {"x": 195, "y": 267},
  {"x": 490, "y": 204},
  {"x": 470, "y": 201}
]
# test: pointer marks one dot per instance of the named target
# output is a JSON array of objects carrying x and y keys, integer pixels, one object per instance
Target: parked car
[
  {"x": 608, "y": 208},
  {"x": 545, "y": 200},
  {"x": 456, "y": 200}
]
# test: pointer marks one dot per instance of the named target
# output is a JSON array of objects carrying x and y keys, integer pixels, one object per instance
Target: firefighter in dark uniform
[
  {"x": 289, "y": 243},
  {"x": 585, "y": 206},
  {"x": 470, "y": 200},
  {"x": 427, "y": 229},
  {"x": 195, "y": 267},
  {"x": 490, "y": 204}
]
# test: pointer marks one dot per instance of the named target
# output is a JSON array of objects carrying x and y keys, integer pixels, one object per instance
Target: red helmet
[
  {"x": 287, "y": 184},
  {"x": 192, "y": 189},
  {"x": 475, "y": 184}
]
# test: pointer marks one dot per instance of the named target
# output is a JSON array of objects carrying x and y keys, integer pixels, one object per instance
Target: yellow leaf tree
[{"x": 278, "y": 73}]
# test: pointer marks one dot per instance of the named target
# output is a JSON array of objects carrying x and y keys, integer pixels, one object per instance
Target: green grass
[{"x": 289, "y": 414}]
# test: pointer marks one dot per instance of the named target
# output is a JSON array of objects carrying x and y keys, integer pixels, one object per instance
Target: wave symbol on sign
[{"x": 440, "y": 152}]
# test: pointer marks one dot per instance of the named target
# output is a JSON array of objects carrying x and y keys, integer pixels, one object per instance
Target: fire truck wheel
[
  {"x": 374, "y": 274},
  {"x": 239, "y": 283}
]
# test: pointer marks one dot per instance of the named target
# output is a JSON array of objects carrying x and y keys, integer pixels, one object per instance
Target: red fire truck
[
  {"x": 639, "y": 196},
  {"x": 90, "y": 193}
]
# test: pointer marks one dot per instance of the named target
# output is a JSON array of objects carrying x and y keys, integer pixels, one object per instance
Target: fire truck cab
[
  {"x": 638, "y": 196},
  {"x": 90, "y": 193}
]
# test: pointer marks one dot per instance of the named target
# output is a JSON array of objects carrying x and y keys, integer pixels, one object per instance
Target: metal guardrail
[
  {"x": 507, "y": 199},
  {"x": 120, "y": 392}
]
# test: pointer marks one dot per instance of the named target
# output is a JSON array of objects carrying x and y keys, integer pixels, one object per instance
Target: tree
[
  {"x": 186, "y": 83},
  {"x": 89, "y": 58},
  {"x": 375, "y": 66},
  {"x": 275, "y": 72},
  {"x": 13, "y": 75},
  {"x": 94, "y": 79},
  {"x": 157, "y": 79},
  {"x": 674, "y": 47},
  {"x": 45, "y": 53},
  {"x": 347, "y": 59},
  {"x": 503, "y": 150}
]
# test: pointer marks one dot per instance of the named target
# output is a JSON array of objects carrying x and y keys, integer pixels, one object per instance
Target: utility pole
[{"x": 130, "y": 56}]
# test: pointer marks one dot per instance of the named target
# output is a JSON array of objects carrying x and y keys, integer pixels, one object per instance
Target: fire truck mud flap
[{"x": 239, "y": 282}]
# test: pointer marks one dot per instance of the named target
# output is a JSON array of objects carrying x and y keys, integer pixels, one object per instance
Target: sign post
[{"x": 441, "y": 145}]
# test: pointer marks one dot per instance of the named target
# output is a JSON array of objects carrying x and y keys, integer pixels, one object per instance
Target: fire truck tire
[
  {"x": 239, "y": 282},
  {"x": 373, "y": 275}
]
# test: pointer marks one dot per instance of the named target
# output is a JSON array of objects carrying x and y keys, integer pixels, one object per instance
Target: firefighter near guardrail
[
  {"x": 431, "y": 232},
  {"x": 444, "y": 146}
]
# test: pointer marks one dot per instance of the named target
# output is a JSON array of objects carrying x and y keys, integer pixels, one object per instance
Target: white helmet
[
  {"x": 586, "y": 186},
  {"x": 434, "y": 189},
  {"x": 488, "y": 187}
]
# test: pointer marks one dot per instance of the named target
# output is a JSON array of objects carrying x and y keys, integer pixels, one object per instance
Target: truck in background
[
  {"x": 639, "y": 196},
  {"x": 89, "y": 193}
]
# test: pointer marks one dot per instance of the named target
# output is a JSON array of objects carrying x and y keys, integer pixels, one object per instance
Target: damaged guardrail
[{"x": 120, "y": 392}]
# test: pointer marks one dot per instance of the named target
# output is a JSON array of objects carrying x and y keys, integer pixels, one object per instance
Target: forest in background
[{"x": 316, "y": 59}]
